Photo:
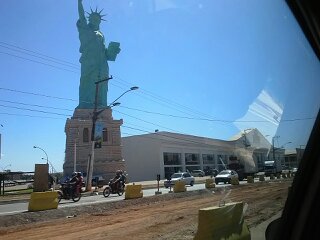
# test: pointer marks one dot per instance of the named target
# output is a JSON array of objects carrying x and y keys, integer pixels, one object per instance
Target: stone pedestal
[{"x": 108, "y": 158}]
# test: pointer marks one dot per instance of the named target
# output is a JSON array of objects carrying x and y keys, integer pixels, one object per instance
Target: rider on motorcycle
[
  {"x": 75, "y": 182},
  {"x": 115, "y": 180},
  {"x": 122, "y": 178}
]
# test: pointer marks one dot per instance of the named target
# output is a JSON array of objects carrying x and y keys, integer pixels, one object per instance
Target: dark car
[{"x": 211, "y": 172}]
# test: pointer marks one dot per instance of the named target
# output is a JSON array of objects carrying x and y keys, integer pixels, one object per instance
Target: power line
[
  {"x": 32, "y": 110},
  {"x": 150, "y": 98},
  {"x": 178, "y": 138},
  {"x": 39, "y": 55},
  {"x": 144, "y": 121},
  {"x": 168, "y": 101},
  {"x": 37, "y": 94},
  {"x": 215, "y": 120},
  {"x": 35, "y": 105},
  {"x": 27, "y": 115},
  {"x": 35, "y": 61},
  {"x": 145, "y": 111}
]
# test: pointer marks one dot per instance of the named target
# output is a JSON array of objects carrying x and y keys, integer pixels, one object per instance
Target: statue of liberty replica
[
  {"x": 94, "y": 58},
  {"x": 79, "y": 128}
]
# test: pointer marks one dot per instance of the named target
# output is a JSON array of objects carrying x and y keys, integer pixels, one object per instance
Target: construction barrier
[
  {"x": 43, "y": 201},
  {"x": 261, "y": 178},
  {"x": 133, "y": 191},
  {"x": 234, "y": 181},
  {"x": 224, "y": 222},
  {"x": 210, "y": 183},
  {"x": 272, "y": 177},
  {"x": 250, "y": 179},
  {"x": 179, "y": 186}
]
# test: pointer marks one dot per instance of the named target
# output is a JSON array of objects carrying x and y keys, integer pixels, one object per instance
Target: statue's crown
[{"x": 96, "y": 14}]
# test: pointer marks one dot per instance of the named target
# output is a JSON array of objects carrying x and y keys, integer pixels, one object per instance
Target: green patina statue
[{"x": 94, "y": 59}]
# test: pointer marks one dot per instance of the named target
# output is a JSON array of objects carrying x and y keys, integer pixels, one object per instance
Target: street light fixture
[
  {"x": 4, "y": 168},
  {"x": 94, "y": 119},
  {"x": 44, "y": 153},
  {"x": 283, "y": 146},
  {"x": 131, "y": 89}
]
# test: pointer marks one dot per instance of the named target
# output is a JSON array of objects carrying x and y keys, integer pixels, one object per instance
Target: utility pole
[
  {"x": 94, "y": 119},
  {"x": 273, "y": 148}
]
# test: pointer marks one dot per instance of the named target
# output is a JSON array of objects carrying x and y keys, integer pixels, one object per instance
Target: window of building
[
  {"x": 168, "y": 171},
  {"x": 208, "y": 159},
  {"x": 192, "y": 159},
  {"x": 85, "y": 135},
  {"x": 105, "y": 135},
  {"x": 172, "y": 158}
]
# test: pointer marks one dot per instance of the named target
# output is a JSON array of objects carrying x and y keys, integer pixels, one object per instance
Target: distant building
[
  {"x": 165, "y": 153},
  {"x": 293, "y": 157}
]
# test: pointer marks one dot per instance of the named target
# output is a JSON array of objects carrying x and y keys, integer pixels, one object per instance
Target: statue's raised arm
[{"x": 81, "y": 11}]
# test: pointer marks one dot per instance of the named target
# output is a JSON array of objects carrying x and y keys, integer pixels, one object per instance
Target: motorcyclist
[
  {"x": 79, "y": 179},
  {"x": 73, "y": 183},
  {"x": 122, "y": 178},
  {"x": 116, "y": 180}
]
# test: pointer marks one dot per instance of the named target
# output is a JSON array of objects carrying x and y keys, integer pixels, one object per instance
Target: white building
[{"x": 165, "y": 153}]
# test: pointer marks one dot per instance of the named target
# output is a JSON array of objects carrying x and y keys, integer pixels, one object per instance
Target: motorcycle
[
  {"x": 113, "y": 189},
  {"x": 67, "y": 192}
]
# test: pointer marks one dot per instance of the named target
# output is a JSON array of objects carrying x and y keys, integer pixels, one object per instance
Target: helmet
[
  {"x": 79, "y": 174},
  {"x": 73, "y": 174}
]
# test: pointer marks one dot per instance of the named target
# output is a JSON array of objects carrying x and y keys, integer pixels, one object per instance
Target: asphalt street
[{"x": 18, "y": 207}]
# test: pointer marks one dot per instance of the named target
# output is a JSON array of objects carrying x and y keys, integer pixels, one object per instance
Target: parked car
[
  {"x": 211, "y": 172},
  {"x": 198, "y": 173},
  {"x": 225, "y": 176},
  {"x": 186, "y": 177},
  {"x": 9, "y": 183}
]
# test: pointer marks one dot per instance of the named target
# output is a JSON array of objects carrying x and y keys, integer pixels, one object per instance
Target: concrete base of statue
[{"x": 108, "y": 158}]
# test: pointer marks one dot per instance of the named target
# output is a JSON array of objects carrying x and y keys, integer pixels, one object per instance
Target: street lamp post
[
  {"x": 94, "y": 119},
  {"x": 44, "y": 153}
]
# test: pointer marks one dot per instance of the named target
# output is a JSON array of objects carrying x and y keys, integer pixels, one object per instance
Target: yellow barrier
[
  {"x": 210, "y": 183},
  {"x": 133, "y": 191},
  {"x": 234, "y": 181},
  {"x": 43, "y": 201},
  {"x": 250, "y": 179},
  {"x": 179, "y": 186},
  {"x": 222, "y": 223}
]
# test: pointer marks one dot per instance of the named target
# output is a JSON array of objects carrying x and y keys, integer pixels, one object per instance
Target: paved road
[{"x": 18, "y": 207}]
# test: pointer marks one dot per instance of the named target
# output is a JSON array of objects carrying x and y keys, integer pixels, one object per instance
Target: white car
[
  {"x": 225, "y": 176},
  {"x": 182, "y": 176},
  {"x": 198, "y": 173}
]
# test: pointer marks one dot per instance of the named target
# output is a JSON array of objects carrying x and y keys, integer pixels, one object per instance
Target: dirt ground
[{"x": 174, "y": 217}]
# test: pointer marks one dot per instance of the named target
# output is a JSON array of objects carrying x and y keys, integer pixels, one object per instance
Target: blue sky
[{"x": 218, "y": 60}]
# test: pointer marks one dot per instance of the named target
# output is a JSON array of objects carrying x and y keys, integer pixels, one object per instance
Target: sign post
[{"x": 158, "y": 180}]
